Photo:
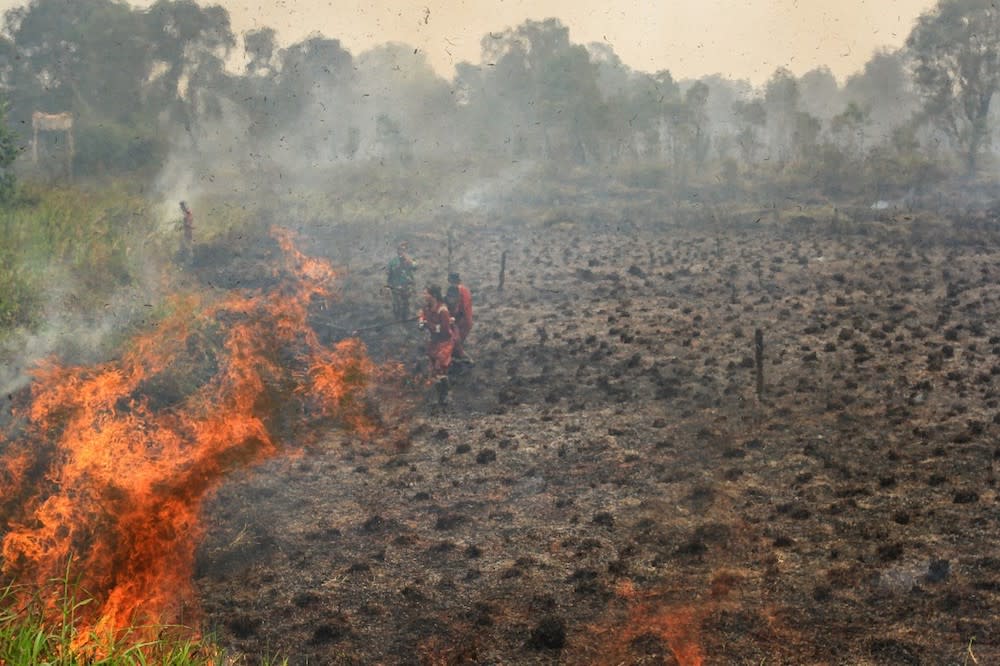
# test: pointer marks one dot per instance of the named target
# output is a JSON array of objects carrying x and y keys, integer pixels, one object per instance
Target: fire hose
[{"x": 376, "y": 327}]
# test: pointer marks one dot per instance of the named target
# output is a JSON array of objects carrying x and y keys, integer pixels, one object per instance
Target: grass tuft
[{"x": 29, "y": 638}]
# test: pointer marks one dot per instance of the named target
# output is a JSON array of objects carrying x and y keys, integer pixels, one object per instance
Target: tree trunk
[{"x": 978, "y": 133}]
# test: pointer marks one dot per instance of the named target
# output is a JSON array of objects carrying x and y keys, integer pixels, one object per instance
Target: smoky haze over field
[
  {"x": 150, "y": 88},
  {"x": 311, "y": 132},
  {"x": 171, "y": 88},
  {"x": 535, "y": 97}
]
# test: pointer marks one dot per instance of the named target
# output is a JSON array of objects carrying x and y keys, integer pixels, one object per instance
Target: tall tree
[
  {"x": 399, "y": 81},
  {"x": 884, "y": 89},
  {"x": 805, "y": 134},
  {"x": 848, "y": 127},
  {"x": 614, "y": 79},
  {"x": 725, "y": 93},
  {"x": 190, "y": 44},
  {"x": 119, "y": 71},
  {"x": 781, "y": 102},
  {"x": 751, "y": 118},
  {"x": 687, "y": 121},
  {"x": 546, "y": 88},
  {"x": 613, "y": 75},
  {"x": 255, "y": 92},
  {"x": 260, "y": 46},
  {"x": 88, "y": 56},
  {"x": 819, "y": 93},
  {"x": 651, "y": 102},
  {"x": 956, "y": 47}
]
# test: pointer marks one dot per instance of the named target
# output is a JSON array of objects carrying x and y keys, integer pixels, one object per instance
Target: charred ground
[{"x": 605, "y": 485}]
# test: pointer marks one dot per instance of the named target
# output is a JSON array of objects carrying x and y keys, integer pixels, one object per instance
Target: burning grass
[
  {"x": 30, "y": 635},
  {"x": 109, "y": 465}
]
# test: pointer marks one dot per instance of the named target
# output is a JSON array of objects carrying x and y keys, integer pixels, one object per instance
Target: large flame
[{"x": 112, "y": 463}]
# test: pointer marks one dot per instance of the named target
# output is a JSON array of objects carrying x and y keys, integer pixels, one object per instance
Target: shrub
[{"x": 109, "y": 147}]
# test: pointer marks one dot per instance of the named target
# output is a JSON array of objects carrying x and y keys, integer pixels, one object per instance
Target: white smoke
[{"x": 72, "y": 335}]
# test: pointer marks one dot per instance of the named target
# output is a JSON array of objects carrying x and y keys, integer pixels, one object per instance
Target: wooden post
[
  {"x": 70, "y": 152},
  {"x": 451, "y": 246},
  {"x": 503, "y": 270},
  {"x": 758, "y": 337},
  {"x": 49, "y": 122}
]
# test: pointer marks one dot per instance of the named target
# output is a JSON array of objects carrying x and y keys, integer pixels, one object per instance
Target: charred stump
[{"x": 758, "y": 339}]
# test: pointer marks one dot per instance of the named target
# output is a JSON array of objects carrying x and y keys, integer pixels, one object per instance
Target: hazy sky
[{"x": 740, "y": 38}]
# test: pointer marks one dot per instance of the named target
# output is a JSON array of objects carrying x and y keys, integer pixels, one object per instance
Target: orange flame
[
  {"x": 115, "y": 461},
  {"x": 676, "y": 625}
]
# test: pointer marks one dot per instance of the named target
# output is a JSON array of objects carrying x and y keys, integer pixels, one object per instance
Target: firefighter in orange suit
[
  {"x": 437, "y": 320},
  {"x": 459, "y": 300}
]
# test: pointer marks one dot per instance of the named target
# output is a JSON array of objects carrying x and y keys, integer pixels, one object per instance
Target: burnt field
[{"x": 606, "y": 484}]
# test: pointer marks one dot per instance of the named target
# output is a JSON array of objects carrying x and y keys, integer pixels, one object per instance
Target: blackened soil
[{"x": 608, "y": 468}]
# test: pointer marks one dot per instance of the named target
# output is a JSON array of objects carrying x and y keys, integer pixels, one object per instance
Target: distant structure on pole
[{"x": 53, "y": 122}]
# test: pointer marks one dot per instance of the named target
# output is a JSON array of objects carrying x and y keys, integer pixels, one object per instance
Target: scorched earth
[{"x": 607, "y": 486}]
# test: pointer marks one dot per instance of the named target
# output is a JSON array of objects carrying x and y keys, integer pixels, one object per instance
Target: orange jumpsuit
[
  {"x": 437, "y": 320},
  {"x": 463, "y": 318}
]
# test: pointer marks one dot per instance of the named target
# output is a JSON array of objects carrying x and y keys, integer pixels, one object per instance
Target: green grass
[
  {"x": 28, "y": 637},
  {"x": 79, "y": 241}
]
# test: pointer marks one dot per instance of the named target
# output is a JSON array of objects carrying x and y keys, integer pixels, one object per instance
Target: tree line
[{"x": 141, "y": 82}]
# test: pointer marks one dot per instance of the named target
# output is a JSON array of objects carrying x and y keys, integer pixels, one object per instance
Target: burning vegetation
[{"x": 106, "y": 469}]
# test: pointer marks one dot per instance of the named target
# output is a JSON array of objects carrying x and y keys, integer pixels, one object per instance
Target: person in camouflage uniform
[{"x": 401, "y": 279}]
